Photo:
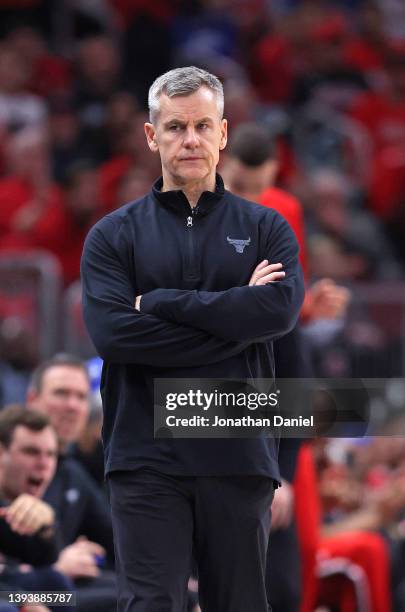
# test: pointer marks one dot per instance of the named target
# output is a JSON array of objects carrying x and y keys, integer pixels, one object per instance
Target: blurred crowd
[
  {"x": 323, "y": 84},
  {"x": 324, "y": 80}
]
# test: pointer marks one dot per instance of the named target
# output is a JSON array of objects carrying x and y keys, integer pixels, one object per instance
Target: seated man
[
  {"x": 28, "y": 454},
  {"x": 60, "y": 389}
]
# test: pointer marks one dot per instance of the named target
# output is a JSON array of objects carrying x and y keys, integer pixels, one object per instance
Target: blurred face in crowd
[
  {"x": 28, "y": 156},
  {"x": 99, "y": 63},
  {"x": 133, "y": 144},
  {"x": 28, "y": 42},
  {"x": 14, "y": 72},
  {"x": 329, "y": 199},
  {"x": 120, "y": 111},
  {"x": 64, "y": 128},
  {"x": 29, "y": 463},
  {"x": 134, "y": 185},
  {"x": 188, "y": 136},
  {"x": 248, "y": 182},
  {"x": 241, "y": 101},
  {"x": 64, "y": 397},
  {"x": 82, "y": 196}
]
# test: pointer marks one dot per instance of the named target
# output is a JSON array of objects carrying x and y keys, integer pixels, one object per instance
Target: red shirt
[
  {"x": 14, "y": 195},
  {"x": 55, "y": 231},
  {"x": 383, "y": 118},
  {"x": 290, "y": 208},
  {"x": 363, "y": 55},
  {"x": 111, "y": 173},
  {"x": 271, "y": 69}
]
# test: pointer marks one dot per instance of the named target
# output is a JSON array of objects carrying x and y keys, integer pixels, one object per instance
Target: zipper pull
[{"x": 189, "y": 221}]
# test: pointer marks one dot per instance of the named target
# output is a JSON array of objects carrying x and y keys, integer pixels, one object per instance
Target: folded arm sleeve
[
  {"x": 241, "y": 313},
  {"x": 119, "y": 332}
]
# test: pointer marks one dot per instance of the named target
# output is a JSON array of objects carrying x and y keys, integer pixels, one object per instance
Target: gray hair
[{"x": 183, "y": 82}]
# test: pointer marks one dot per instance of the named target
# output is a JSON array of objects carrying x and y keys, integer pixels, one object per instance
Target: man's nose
[
  {"x": 43, "y": 462},
  {"x": 191, "y": 138},
  {"x": 73, "y": 403}
]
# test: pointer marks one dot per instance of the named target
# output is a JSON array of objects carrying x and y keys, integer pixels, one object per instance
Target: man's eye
[
  {"x": 174, "y": 128},
  {"x": 203, "y": 126}
]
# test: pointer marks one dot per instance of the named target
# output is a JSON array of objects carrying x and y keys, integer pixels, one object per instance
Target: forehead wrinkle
[{"x": 204, "y": 119}]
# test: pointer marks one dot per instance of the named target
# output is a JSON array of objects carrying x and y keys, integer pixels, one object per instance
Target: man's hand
[
  {"x": 266, "y": 273},
  {"x": 79, "y": 559},
  {"x": 138, "y": 302},
  {"x": 326, "y": 300},
  {"x": 282, "y": 507},
  {"x": 27, "y": 514}
]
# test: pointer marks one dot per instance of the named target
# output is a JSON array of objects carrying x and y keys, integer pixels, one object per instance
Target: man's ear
[
  {"x": 224, "y": 134},
  {"x": 273, "y": 169},
  {"x": 150, "y": 133},
  {"x": 32, "y": 396}
]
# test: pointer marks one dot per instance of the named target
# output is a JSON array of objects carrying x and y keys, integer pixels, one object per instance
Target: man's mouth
[{"x": 34, "y": 483}]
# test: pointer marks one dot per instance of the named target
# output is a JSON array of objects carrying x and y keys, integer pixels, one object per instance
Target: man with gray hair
[{"x": 189, "y": 281}]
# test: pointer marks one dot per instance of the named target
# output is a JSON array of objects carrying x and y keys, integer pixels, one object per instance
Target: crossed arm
[
  {"x": 191, "y": 332},
  {"x": 234, "y": 314}
]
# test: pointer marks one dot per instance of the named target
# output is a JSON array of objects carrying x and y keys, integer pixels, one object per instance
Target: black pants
[
  {"x": 159, "y": 519},
  {"x": 283, "y": 575}
]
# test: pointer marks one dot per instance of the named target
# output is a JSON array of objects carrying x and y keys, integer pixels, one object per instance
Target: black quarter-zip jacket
[{"x": 199, "y": 318}]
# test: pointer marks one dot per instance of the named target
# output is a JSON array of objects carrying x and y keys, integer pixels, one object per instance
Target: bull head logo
[{"x": 238, "y": 244}]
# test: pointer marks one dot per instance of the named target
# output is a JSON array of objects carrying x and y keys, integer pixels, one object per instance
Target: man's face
[
  {"x": 29, "y": 463},
  {"x": 246, "y": 181},
  {"x": 64, "y": 397},
  {"x": 188, "y": 136}
]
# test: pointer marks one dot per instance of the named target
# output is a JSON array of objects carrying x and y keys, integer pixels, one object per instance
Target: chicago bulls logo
[{"x": 239, "y": 244}]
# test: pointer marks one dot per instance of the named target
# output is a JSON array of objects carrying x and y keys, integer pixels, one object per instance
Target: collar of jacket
[{"x": 177, "y": 201}]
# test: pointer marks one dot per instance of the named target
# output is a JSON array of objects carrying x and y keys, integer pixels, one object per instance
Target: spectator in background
[
  {"x": 88, "y": 449},
  {"x": 27, "y": 190},
  {"x": 129, "y": 157},
  {"x": 132, "y": 186},
  {"x": 360, "y": 239},
  {"x": 382, "y": 113},
  {"x": 58, "y": 226},
  {"x": 147, "y": 42},
  {"x": 60, "y": 388},
  {"x": 67, "y": 142},
  {"x": 28, "y": 455},
  {"x": 19, "y": 107},
  {"x": 241, "y": 102},
  {"x": 121, "y": 110},
  {"x": 272, "y": 66},
  {"x": 98, "y": 77},
  {"x": 366, "y": 48},
  {"x": 63, "y": 229},
  {"x": 49, "y": 74},
  {"x": 330, "y": 81},
  {"x": 113, "y": 136},
  {"x": 250, "y": 169},
  {"x": 355, "y": 552}
]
